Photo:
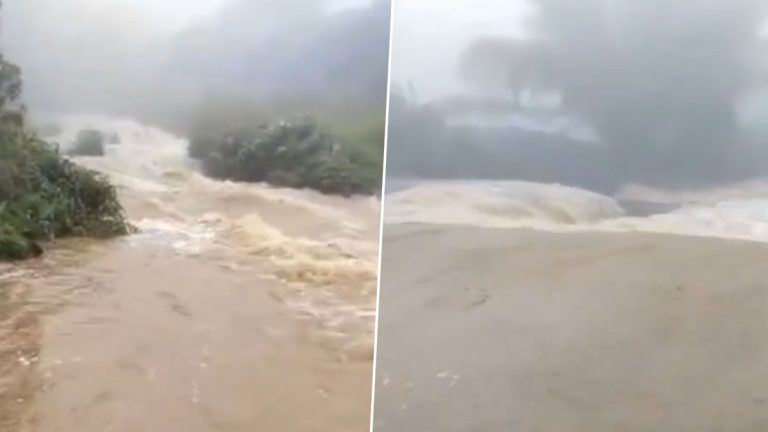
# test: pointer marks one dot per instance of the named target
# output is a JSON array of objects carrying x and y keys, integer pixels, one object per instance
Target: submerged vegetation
[
  {"x": 331, "y": 156},
  {"x": 89, "y": 142},
  {"x": 42, "y": 194}
]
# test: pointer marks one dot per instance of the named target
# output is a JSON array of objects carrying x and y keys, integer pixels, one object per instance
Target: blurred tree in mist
[
  {"x": 499, "y": 62},
  {"x": 10, "y": 90},
  {"x": 10, "y": 83},
  {"x": 417, "y": 138},
  {"x": 659, "y": 80}
]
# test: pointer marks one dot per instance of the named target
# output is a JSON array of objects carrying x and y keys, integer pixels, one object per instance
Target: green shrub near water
[
  {"x": 89, "y": 142},
  {"x": 296, "y": 154},
  {"x": 362, "y": 142},
  {"x": 14, "y": 246},
  {"x": 42, "y": 194}
]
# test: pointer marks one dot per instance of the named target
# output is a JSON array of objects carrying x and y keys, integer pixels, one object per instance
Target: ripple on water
[
  {"x": 20, "y": 334},
  {"x": 192, "y": 279}
]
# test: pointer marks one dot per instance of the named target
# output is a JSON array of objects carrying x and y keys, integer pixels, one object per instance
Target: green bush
[
  {"x": 44, "y": 196},
  {"x": 337, "y": 175},
  {"x": 296, "y": 153},
  {"x": 14, "y": 246},
  {"x": 362, "y": 143},
  {"x": 89, "y": 142}
]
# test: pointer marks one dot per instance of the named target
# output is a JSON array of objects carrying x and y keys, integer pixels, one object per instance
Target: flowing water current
[
  {"x": 736, "y": 211},
  {"x": 235, "y": 307}
]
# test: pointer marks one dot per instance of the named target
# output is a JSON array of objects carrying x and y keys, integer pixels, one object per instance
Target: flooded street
[{"x": 235, "y": 307}]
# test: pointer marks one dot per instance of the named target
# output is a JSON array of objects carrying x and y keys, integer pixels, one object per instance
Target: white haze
[
  {"x": 125, "y": 56},
  {"x": 428, "y": 36}
]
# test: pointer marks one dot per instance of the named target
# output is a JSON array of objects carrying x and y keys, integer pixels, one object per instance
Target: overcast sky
[
  {"x": 90, "y": 54},
  {"x": 150, "y": 15},
  {"x": 430, "y": 34}
]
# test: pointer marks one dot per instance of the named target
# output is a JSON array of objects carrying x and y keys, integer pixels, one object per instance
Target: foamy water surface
[
  {"x": 232, "y": 308},
  {"x": 737, "y": 211}
]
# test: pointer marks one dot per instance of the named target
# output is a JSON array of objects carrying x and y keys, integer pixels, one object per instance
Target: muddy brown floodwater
[{"x": 237, "y": 307}]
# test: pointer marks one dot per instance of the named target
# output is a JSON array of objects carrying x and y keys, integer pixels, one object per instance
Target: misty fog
[
  {"x": 155, "y": 58},
  {"x": 596, "y": 93}
]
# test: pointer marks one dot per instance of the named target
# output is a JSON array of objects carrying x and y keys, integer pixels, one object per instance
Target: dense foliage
[
  {"x": 296, "y": 153},
  {"x": 42, "y": 194}
]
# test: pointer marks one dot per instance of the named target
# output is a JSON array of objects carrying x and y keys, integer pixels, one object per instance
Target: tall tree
[{"x": 10, "y": 89}]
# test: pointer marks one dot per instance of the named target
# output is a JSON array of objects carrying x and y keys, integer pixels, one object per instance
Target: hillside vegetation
[
  {"x": 42, "y": 194},
  {"x": 332, "y": 153}
]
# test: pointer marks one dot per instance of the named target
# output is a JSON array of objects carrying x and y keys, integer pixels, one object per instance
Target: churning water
[
  {"x": 236, "y": 307},
  {"x": 738, "y": 211}
]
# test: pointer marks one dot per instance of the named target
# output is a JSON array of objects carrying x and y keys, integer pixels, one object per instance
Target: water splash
[
  {"x": 738, "y": 211},
  {"x": 322, "y": 249}
]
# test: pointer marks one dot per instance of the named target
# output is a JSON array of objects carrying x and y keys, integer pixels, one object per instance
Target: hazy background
[
  {"x": 595, "y": 93},
  {"x": 160, "y": 57},
  {"x": 429, "y": 35}
]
